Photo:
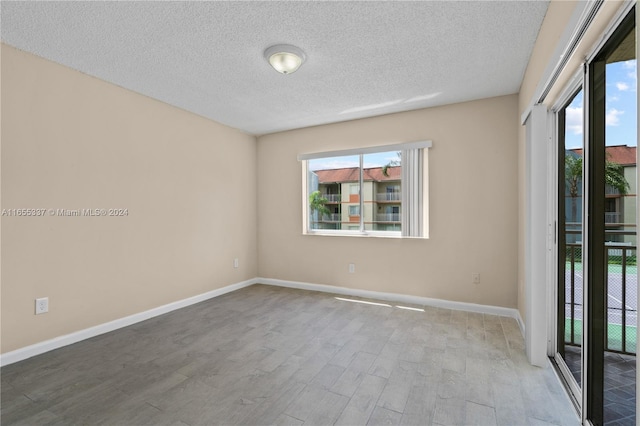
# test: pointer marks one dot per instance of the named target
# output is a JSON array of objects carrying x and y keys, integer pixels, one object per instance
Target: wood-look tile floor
[{"x": 269, "y": 355}]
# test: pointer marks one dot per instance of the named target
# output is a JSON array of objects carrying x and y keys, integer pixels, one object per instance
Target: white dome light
[{"x": 284, "y": 58}]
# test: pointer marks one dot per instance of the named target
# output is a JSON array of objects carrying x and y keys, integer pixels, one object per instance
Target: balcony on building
[
  {"x": 388, "y": 217},
  {"x": 389, "y": 197}
]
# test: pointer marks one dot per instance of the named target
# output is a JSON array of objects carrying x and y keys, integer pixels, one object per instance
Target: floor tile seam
[
  {"x": 291, "y": 415},
  {"x": 35, "y": 401},
  {"x": 479, "y": 403},
  {"x": 153, "y": 406},
  {"x": 343, "y": 408},
  {"x": 371, "y": 353},
  {"x": 390, "y": 409},
  {"x": 375, "y": 375},
  {"x": 404, "y": 406},
  {"x": 339, "y": 394},
  {"x": 156, "y": 407}
]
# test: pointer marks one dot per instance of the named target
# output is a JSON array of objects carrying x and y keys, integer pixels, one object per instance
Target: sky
[
  {"x": 370, "y": 160},
  {"x": 621, "y": 108}
]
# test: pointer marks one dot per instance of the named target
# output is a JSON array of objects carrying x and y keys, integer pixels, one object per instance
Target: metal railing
[
  {"x": 621, "y": 284},
  {"x": 332, "y": 198},
  {"x": 618, "y": 309},
  {"x": 388, "y": 217},
  {"x": 389, "y": 196},
  {"x": 612, "y": 217},
  {"x": 610, "y": 190},
  {"x": 332, "y": 217}
]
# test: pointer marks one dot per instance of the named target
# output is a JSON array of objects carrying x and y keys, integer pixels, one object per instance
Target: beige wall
[
  {"x": 473, "y": 207},
  {"x": 72, "y": 141}
]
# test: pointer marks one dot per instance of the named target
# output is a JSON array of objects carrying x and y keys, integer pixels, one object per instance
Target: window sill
[{"x": 392, "y": 235}]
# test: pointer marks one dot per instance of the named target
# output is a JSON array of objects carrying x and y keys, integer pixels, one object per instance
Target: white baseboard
[
  {"x": 87, "y": 333},
  {"x": 397, "y": 297}
]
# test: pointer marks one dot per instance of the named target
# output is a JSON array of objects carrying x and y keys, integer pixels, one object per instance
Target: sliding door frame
[
  {"x": 591, "y": 79},
  {"x": 594, "y": 317},
  {"x": 595, "y": 288}
]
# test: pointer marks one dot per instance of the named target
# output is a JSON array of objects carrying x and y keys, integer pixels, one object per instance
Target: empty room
[{"x": 318, "y": 213}]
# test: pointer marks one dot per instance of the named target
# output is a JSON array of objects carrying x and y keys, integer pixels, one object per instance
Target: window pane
[
  {"x": 381, "y": 192},
  {"x": 621, "y": 285},
  {"x": 330, "y": 184},
  {"x": 372, "y": 191},
  {"x": 570, "y": 307}
]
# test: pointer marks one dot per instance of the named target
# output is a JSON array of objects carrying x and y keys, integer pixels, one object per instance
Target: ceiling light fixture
[{"x": 285, "y": 58}]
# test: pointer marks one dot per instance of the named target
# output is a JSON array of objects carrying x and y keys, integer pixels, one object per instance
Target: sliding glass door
[{"x": 596, "y": 236}]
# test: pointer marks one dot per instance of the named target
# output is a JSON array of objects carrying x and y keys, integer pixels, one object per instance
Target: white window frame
[{"x": 414, "y": 188}]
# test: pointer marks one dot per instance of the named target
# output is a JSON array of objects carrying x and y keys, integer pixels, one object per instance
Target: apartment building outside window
[{"x": 366, "y": 191}]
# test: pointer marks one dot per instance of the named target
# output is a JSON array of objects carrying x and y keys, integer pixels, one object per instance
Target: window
[{"x": 378, "y": 190}]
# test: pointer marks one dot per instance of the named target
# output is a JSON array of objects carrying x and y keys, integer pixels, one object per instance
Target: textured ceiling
[{"x": 363, "y": 58}]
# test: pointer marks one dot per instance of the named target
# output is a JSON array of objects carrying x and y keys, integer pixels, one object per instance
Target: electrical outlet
[
  {"x": 352, "y": 268},
  {"x": 236, "y": 262},
  {"x": 476, "y": 278},
  {"x": 42, "y": 305}
]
